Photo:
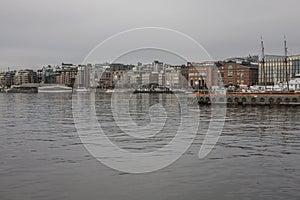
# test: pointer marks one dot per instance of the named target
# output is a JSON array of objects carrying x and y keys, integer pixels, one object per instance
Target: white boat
[
  {"x": 54, "y": 89},
  {"x": 82, "y": 89},
  {"x": 110, "y": 91}
]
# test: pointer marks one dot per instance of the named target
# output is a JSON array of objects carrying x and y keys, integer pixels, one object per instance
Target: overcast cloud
[{"x": 40, "y": 32}]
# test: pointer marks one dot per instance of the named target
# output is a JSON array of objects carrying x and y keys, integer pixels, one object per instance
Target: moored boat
[
  {"x": 54, "y": 89},
  {"x": 82, "y": 89}
]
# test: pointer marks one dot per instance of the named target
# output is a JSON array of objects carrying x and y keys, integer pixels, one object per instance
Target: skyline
[{"x": 50, "y": 32}]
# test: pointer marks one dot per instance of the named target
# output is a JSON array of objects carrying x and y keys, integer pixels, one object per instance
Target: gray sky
[{"x": 39, "y": 32}]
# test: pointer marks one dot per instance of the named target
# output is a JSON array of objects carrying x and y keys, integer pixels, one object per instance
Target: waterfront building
[
  {"x": 66, "y": 75},
  {"x": 134, "y": 79},
  {"x": 239, "y": 72},
  {"x": 278, "y": 69},
  {"x": 101, "y": 76},
  {"x": 202, "y": 75},
  {"x": 118, "y": 75},
  {"x": 157, "y": 66},
  {"x": 49, "y": 75},
  {"x": 84, "y": 76},
  {"x": 162, "y": 78},
  {"x": 109, "y": 76},
  {"x": 39, "y": 75},
  {"x": 184, "y": 76},
  {"x": 172, "y": 77},
  {"x": 104, "y": 80},
  {"x": 273, "y": 70},
  {"x": 9, "y": 78},
  {"x": 295, "y": 65},
  {"x": 154, "y": 77},
  {"x": 25, "y": 76},
  {"x": 2, "y": 80},
  {"x": 145, "y": 78}
]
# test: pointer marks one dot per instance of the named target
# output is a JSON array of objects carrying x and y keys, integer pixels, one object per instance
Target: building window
[
  {"x": 242, "y": 74},
  {"x": 230, "y": 71}
]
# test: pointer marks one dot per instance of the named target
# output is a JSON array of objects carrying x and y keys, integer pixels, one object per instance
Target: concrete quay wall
[{"x": 247, "y": 99}]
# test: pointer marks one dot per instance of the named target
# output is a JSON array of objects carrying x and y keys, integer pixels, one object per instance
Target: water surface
[{"x": 42, "y": 157}]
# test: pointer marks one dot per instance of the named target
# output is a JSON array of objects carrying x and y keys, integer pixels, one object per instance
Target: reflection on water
[{"x": 41, "y": 155}]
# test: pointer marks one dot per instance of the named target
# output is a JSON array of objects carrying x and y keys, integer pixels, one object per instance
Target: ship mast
[
  {"x": 263, "y": 61},
  {"x": 286, "y": 64}
]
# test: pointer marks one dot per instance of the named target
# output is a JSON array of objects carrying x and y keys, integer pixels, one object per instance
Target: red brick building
[{"x": 239, "y": 73}]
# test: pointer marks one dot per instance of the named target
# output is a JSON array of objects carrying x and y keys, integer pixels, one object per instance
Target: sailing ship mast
[
  {"x": 286, "y": 64},
  {"x": 263, "y": 61}
]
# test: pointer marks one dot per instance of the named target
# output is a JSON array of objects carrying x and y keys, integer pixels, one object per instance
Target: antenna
[
  {"x": 263, "y": 60},
  {"x": 286, "y": 64}
]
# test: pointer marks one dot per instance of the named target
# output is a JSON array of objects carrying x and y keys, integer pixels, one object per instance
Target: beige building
[
  {"x": 24, "y": 77},
  {"x": 66, "y": 76},
  {"x": 172, "y": 77},
  {"x": 2, "y": 80},
  {"x": 276, "y": 69}
]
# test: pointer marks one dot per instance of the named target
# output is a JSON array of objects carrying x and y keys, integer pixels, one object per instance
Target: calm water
[{"x": 42, "y": 157}]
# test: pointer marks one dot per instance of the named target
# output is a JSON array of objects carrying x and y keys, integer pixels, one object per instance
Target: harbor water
[{"x": 42, "y": 156}]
